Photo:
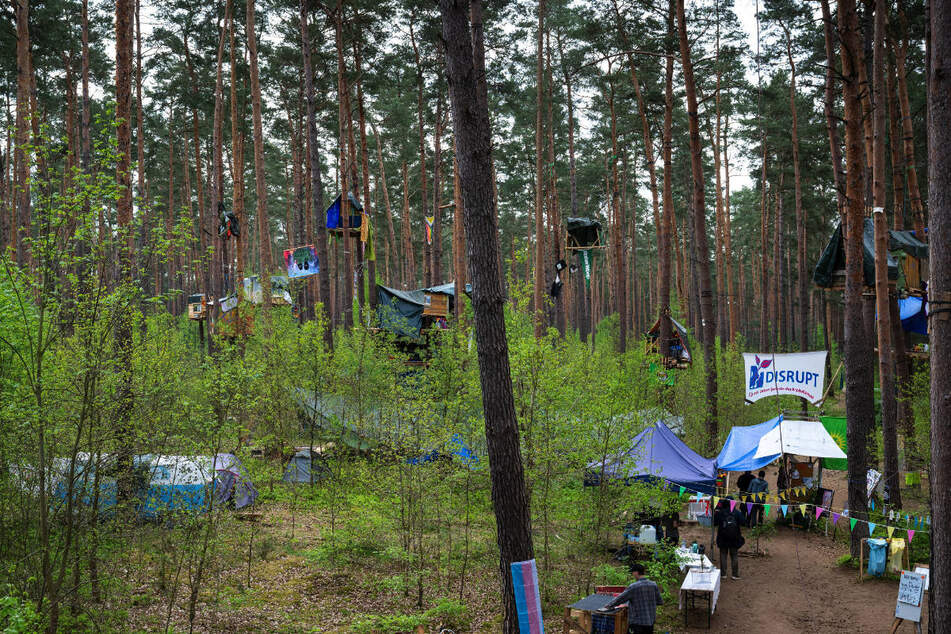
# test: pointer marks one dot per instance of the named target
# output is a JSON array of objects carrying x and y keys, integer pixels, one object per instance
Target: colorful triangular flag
[
  {"x": 871, "y": 528},
  {"x": 716, "y": 500},
  {"x": 911, "y": 534},
  {"x": 682, "y": 489},
  {"x": 852, "y": 523},
  {"x": 802, "y": 509},
  {"x": 749, "y": 508},
  {"x": 890, "y": 530},
  {"x": 871, "y": 504},
  {"x": 818, "y": 511},
  {"x": 732, "y": 505},
  {"x": 784, "y": 508},
  {"x": 835, "y": 518},
  {"x": 766, "y": 508}
]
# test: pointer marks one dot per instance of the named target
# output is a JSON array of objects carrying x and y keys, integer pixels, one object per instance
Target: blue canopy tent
[
  {"x": 740, "y": 447},
  {"x": 657, "y": 453},
  {"x": 913, "y": 312},
  {"x": 455, "y": 449}
]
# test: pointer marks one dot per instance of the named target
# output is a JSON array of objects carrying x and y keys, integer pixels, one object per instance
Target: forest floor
[{"x": 290, "y": 585}]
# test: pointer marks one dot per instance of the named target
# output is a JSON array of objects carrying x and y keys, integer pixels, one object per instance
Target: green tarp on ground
[{"x": 836, "y": 427}]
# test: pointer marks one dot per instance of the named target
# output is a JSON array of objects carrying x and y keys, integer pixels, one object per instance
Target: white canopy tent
[{"x": 799, "y": 437}]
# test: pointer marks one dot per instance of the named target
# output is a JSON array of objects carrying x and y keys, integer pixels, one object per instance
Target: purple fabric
[{"x": 657, "y": 452}]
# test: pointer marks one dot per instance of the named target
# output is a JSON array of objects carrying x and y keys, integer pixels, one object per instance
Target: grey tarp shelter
[
  {"x": 830, "y": 270},
  {"x": 583, "y": 233},
  {"x": 401, "y": 312},
  {"x": 302, "y": 464}
]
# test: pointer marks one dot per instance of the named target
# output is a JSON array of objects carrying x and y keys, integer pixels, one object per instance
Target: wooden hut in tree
[{"x": 678, "y": 351}]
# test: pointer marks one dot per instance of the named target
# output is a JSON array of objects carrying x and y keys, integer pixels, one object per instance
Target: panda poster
[{"x": 301, "y": 261}]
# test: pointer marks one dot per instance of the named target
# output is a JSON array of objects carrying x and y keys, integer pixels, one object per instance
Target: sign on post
[
  {"x": 796, "y": 374},
  {"x": 910, "y": 590}
]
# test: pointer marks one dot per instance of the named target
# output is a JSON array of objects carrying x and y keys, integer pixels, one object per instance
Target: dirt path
[{"x": 799, "y": 588}]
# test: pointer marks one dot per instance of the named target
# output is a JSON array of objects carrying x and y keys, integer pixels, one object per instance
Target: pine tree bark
[
  {"x": 260, "y": 187},
  {"x": 539, "y": 277},
  {"x": 200, "y": 190},
  {"x": 731, "y": 296},
  {"x": 886, "y": 352},
  {"x": 939, "y": 207},
  {"x": 832, "y": 123},
  {"x": 764, "y": 339},
  {"x": 237, "y": 174},
  {"x": 420, "y": 112},
  {"x": 22, "y": 151},
  {"x": 473, "y": 154},
  {"x": 707, "y": 318},
  {"x": 390, "y": 229},
  {"x": 365, "y": 168},
  {"x": 667, "y": 220},
  {"x": 858, "y": 362},
  {"x": 409, "y": 259},
  {"x": 908, "y": 135},
  {"x": 619, "y": 277},
  {"x": 801, "y": 265},
  {"x": 125, "y": 248},
  {"x": 217, "y": 152}
]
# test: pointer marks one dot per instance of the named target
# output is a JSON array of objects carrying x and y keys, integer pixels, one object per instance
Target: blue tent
[
  {"x": 455, "y": 449},
  {"x": 913, "y": 314},
  {"x": 657, "y": 453},
  {"x": 741, "y": 445}
]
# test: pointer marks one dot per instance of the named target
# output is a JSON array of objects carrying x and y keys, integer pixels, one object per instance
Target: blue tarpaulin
[
  {"x": 913, "y": 314},
  {"x": 656, "y": 452},
  {"x": 741, "y": 445}
]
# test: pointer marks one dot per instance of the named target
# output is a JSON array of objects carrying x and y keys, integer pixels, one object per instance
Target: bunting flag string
[{"x": 913, "y": 524}]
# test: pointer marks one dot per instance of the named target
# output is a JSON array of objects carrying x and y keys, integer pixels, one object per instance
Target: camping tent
[
  {"x": 657, "y": 453},
  {"x": 740, "y": 447},
  {"x": 455, "y": 449},
  {"x": 913, "y": 312},
  {"x": 300, "y": 466},
  {"x": 180, "y": 483},
  {"x": 163, "y": 483},
  {"x": 401, "y": 312},
  {"x": 830, "y": 269},
  {"x": 800, "y": 437}
]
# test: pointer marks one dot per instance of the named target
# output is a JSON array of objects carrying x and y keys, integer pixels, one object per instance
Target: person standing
[
  {"x": 743, "y": 482},
  {"x": 642, "y": 597},
  {"x": 757, "y": 487},
  {"x": 729, "y": 537}
]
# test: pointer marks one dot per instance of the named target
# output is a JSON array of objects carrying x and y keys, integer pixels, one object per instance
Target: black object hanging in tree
[{"x": 228, "y": 223}]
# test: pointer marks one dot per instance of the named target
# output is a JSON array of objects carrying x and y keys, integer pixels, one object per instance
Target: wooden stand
[{"x": 897, "y": 624}]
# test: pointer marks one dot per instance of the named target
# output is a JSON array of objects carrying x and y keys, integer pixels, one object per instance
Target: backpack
[{"x": 730, "y": 529}]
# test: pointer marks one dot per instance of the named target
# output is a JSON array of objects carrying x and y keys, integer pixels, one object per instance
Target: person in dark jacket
[
  {"x": 743, "y": 482},
  {"x": 729, "y": 538},
  {"x": 642, "y": 597}
]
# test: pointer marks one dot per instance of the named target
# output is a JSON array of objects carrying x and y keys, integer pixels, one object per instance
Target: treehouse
[
  {"x": 907, "y": 261},
  {"x": 582, "y": 234},
  {"x": 678, "y": 352},
  {"x": 233, "y": 322},
  {"x": 352, "y": 223},
  {"x": 412, "y": 315}
]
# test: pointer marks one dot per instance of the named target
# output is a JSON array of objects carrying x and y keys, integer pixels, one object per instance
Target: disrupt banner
[{"x": 796, "y": 374}]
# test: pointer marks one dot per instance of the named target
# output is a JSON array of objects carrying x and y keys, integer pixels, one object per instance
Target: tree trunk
[
  {"x": 123, "y": 335},
  {"x": 801, "y": 264},
  {"x": 391, "y": 231},
  {"x": 409, "y": 260},
  {"x": 237, "y": 174},
  {"x": 707, "y": 318},
  {"x": 22, "y": 158},
  {"x": 365, "y": 169},
  {"x": 832, "y": 122},
  {"x": 580, "y": 300},
  {"x": 423, "y": 200},
  {"x": 939, "y": 206},
  {"x": 667, "y": 220},
  {"x": 731, "y": 295},
  {"x": 764, "y": 340},
  {"x": 202, "y": 220},
  {"x": 207, "y": 224},
  {"x": 260, "y": 187},
  {"x": 886, "y": 352},
  {"x": 617, "y": 238},
  {"x": 859, "y": 401},
  {"x": 538, "y": 288},
  {"x": 908, "y": 135},
  {"x": 473, "y": 154},
  {"x": 894, "y": 145},
  {"x": 458, "y": 239}
]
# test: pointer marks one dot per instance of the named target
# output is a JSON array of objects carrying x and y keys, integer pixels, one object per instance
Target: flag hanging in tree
[{"x": 429, "y": 228}]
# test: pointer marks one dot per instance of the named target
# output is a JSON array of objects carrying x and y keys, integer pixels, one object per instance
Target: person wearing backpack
[{"x": 729, "y": 537}]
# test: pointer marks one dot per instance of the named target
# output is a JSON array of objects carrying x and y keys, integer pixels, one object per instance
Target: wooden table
[
  {"x": 700, "y": 585},
  {"x": 578, "y": 615}
]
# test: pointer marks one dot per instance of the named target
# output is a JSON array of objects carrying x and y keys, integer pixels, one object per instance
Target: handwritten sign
[{"x": 910, "y": 588}]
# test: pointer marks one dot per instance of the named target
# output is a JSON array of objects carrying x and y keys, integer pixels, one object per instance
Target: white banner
[{"x": 796, "y": 374}]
